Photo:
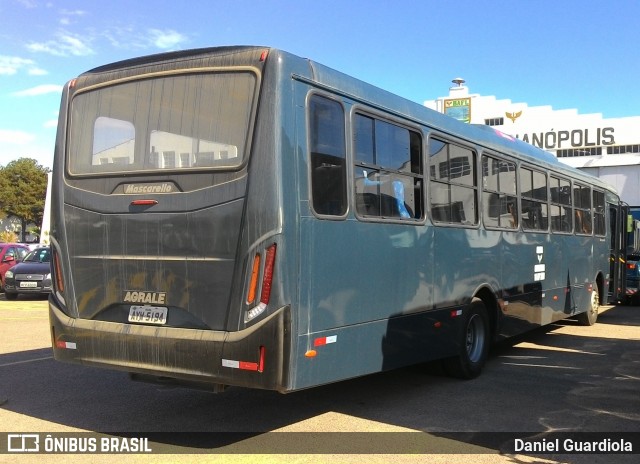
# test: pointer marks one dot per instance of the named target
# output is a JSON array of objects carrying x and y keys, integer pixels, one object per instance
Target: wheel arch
[
  {"x": 490, "y": 301},
  {"x": 600, "y": 279}
]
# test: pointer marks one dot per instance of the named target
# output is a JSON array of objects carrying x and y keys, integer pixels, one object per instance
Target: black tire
[
  {"x": 591, "y": 315},
  {"x": 474, "y": 339},
  {"x": 10, "y": 296}
]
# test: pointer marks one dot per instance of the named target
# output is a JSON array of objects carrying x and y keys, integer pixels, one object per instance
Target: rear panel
[{"x": 150, "y": 232}]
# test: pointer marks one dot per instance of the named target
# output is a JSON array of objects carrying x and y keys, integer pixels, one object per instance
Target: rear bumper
[{"x": 189, "y": 355}]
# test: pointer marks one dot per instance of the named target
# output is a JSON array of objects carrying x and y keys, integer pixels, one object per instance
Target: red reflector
[
  {"x": 248, "y": 366},
  {"x": 263, "y": 55},
  {"x": 263, "y": 352},
  {"x": 66, "y": 345},
  {"x": 267, "y": 279},
  {"x": 144, "y": 202},
  {"x": 456, "y": 313},
  {"x": 322, "y": 341}
]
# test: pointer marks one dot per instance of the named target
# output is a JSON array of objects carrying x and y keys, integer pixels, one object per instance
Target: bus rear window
[{"x": 190, "y": 121}]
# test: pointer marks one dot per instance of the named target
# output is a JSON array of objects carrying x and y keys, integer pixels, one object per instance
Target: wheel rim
[
  {"x": 595, "y": 302},
  {"x": 475, "y": 338}
]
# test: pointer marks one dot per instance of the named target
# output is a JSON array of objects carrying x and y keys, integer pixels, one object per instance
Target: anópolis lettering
[{"x": 577, "y": 138}]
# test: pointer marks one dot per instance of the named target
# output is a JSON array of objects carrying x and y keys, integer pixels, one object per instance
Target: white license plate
[
  {"x": 28, "y": 284},
  {"x": 148, "y": 314}
]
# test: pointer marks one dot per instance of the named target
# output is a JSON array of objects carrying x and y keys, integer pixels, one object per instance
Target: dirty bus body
[{"x": 242, "y": 216}]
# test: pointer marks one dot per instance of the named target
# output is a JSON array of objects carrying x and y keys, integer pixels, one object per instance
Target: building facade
[{"x": 606, "y": 148}]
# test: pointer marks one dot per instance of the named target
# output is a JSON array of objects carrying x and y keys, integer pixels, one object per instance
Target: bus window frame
[
  {"x": 547, "y": 202},
  {"x": 603, "y": 214},
  {"x": 310, "y": 198},
  {"x": 560, "y": 177},
  {"x": 249, "y": 137},
  {"x": 366, "y": 111},
  {"x": 444, "y": 138},
  {"x": 582, "y": 185},
  {"x": 516, "y": 196}
]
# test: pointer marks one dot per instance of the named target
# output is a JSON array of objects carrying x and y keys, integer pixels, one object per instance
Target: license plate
[
  {"x": 28, "y": 284},
  {"x": 148, "y": 314}
]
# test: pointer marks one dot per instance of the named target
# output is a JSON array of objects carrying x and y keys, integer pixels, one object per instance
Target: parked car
[
  {"x": 633, "y": 277},
  {"x": 10, "y": 255},
  {"x": 32, "y": 275}
]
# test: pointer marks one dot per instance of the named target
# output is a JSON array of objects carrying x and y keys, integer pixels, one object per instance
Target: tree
[{"x": 23, "y": 189}]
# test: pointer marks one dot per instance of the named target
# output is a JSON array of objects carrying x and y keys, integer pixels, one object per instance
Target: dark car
[
  {"x": 10, "y": 255},
  {"x": 32, "y": 275}
]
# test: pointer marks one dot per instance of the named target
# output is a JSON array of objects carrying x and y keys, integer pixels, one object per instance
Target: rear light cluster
[
  {"x": 58, "y": 280},
  {"x": 258, "y": 307}
]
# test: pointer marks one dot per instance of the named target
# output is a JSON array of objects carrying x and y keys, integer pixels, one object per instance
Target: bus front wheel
[{"x": 473, "y": 343}]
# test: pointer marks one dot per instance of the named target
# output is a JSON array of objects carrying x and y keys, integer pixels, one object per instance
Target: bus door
[{"x": 617, "y": 257}]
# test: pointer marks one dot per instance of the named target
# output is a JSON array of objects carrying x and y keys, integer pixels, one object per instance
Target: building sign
[
  {"x": 577, "y": 138},
  {"x": 458, "y": 108}
]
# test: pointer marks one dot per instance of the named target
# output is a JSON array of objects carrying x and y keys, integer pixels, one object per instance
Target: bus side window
[
  {"x": 560, "y": 212},
  {"x": 599, "y": 221},
  {"x": 388, "y": 170},
  {"x": 328, "y": 166},
  {"x": 582, "y": 208},
  {"x": 499, "y": 191},
  {"x": 534, "y": 196},
  {"x": 453, "y": 194}
]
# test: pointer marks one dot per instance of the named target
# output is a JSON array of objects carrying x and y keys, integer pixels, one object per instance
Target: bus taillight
[
  {"x": 267, "y": 281},
  {"x": 58, "y": 271},
  {"x": 268, "y": 274}
]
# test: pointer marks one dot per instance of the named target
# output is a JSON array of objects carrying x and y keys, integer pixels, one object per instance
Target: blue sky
[{"x": 563, "y": 53}]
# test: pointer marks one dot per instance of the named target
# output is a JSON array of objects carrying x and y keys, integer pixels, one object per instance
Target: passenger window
[
  {"x": 582, "y": 209},
  {"x": 388, "y": 170},
  {"x": 533, "y": 190},
  {"x": 453, "y": 188},
  {"x": 599, "y": 222},
  {"x": 328, "y": 165},
  {"x": 500, "y": 205},
  {"x": 560, "y": 210}
]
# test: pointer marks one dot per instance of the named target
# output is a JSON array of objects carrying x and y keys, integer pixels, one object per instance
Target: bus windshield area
[{"x": 187, "y": 121}]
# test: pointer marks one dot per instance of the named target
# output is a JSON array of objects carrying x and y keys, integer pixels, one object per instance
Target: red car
[{"x": 10, "y": 255}]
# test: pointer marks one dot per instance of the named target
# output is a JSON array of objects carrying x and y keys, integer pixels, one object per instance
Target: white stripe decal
[{"x": 231, "y": 364}]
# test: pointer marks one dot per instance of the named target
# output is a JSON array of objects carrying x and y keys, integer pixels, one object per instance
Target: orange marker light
[
  {"x": 59, "y": 279},
  {"x": 253, "y": 284}
]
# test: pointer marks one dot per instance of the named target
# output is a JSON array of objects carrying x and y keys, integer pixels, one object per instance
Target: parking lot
[{"x": 561, "y": 378}]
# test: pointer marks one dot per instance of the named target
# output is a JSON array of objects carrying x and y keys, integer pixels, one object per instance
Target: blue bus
[{"x": 240, "y": 216}]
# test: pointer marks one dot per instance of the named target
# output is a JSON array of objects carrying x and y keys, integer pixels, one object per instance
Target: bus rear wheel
[
  {"x": 473, "y": 343},
  {"x": 590, "y": 316}
]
